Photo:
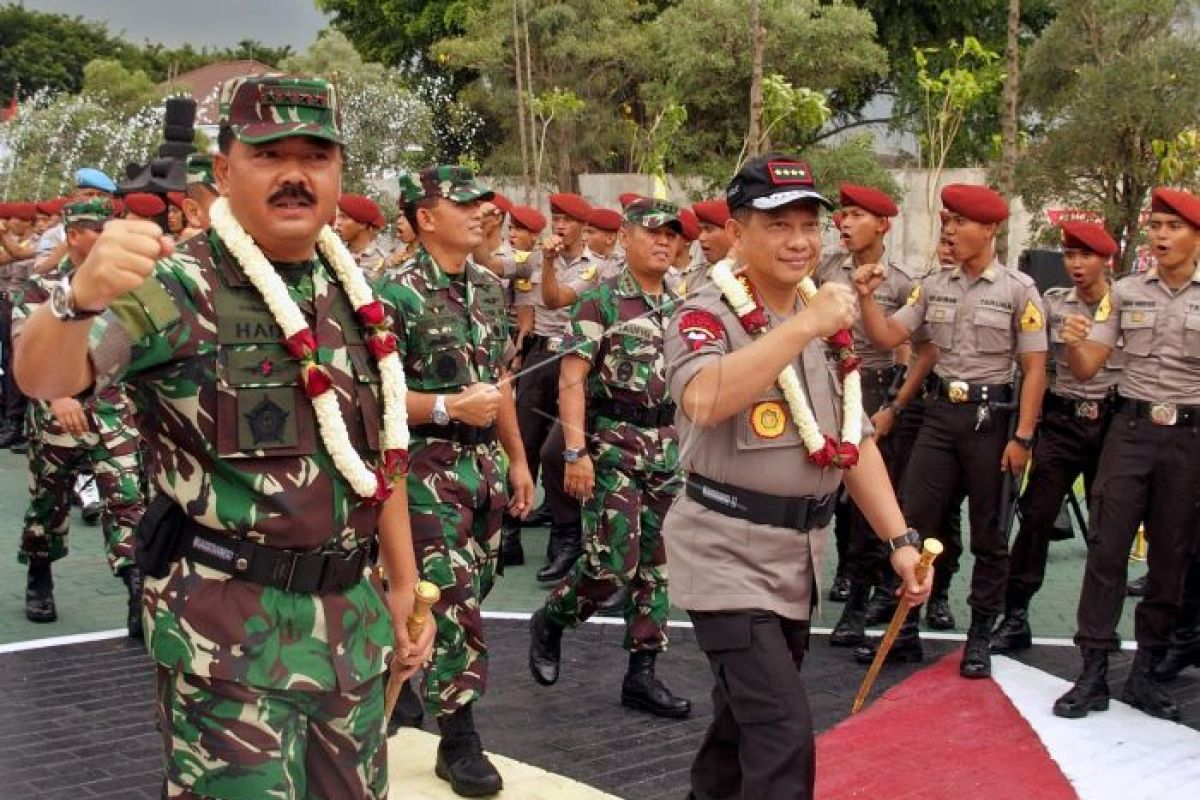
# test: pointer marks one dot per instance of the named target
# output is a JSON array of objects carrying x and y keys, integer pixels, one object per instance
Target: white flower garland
[
  {"x": 789, "y": 382},
  {"x": 365, "y": 480}
]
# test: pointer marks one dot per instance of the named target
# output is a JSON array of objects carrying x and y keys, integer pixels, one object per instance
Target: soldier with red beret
[
  {"x": 983, "y": 317},
  {"x": 711, "y": 216},
  {"x": 603, "y": 224},
  {"x": 683, "y": 250},
  {"x": 359, "y": 222},
  {"x": 143, "y": 205},
  {"x": 1147, "y": 470}
]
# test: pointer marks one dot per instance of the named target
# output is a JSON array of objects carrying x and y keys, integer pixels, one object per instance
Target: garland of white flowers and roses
[
  {"x": 823, "y": 449},
  {"x": 373, "y": 483}
]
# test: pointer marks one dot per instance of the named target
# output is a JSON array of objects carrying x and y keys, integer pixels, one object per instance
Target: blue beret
[{"x": 91, "y": 178}]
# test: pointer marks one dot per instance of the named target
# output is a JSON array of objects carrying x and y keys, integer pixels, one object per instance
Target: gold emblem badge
[
  {"x": 588, "y": 274},
  {"x": 523, "y": 285},
  {"x": 914, "y": 295},
  {"x": 1164, "y": 413},
  {"x": 958, "y": 392},
  {"x": 1032, "y": 320},
  {"x": 768, "y": 419}
]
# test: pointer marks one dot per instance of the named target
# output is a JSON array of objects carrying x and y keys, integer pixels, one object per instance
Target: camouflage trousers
[
  {"x": 456, "y": 498},
  {"x": 622, "y": 547},
  {"x": 230, "y": 741},
  {"x": 55, "y": 459}
]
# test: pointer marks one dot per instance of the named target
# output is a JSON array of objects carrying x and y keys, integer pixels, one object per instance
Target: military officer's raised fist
[
  {"x": 1076, "y": 328},
  {"x": 867, "y": 279},
  {"x": 831, "y": 309},
  {"x": 120, "y": 261}
]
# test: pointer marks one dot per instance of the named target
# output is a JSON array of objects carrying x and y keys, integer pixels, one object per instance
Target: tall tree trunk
[
  {"x": 754, "y": 135},
  {"x": 518, "y": 70},
  {"x": 529, "y": 92},
  {"x": 1009, "y": 116}
]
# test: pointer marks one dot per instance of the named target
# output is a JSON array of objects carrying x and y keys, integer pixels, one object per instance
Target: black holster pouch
[{"x": 156, "y": 540}]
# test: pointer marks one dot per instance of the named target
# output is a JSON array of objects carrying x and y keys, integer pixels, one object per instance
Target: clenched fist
[
  {"x": 1076, "y": 328},
  {"x": 831, "y": 309},
  {"x": 476, "y": 405},
  {"x": 867, "y": 279},
  {"x": 120, "y": 261}
]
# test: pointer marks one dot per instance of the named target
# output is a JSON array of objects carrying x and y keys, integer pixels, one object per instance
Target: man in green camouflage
[
  {"x": 622, "y": 458},
  {"x": 269, "y": 629},
  {"x": 200, "y": 195},
  {"x": 67, "y": 437},
  {"x": 453, "y": 338}
]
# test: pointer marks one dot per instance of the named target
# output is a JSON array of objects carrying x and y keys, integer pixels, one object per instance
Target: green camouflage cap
[
  {"x": 265, "y": 108},
  {"x": 651, "y": 213},
  {"x": 92, "y": 210},
  {"x": 450, "y": 181},
  {"x": 200, "y": 170}
]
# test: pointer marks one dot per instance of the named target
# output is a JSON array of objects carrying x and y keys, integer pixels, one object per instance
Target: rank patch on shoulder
[
  {"x": 768, "y": 419},
  {"x": 914, "y": 295},
  {"x": 698, "y": 328},
  {"x": 1104, "y": 310},
  {"x": 1031, "y": 318}
]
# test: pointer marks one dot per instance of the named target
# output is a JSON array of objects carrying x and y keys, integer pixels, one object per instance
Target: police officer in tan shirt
[
  {"x": 982, "y": 317},
  {"x": 741, "y": 557},
  {"x": 1148, "y": 467}
]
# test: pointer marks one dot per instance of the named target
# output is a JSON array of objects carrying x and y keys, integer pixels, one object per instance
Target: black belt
[
  {"x": 551, "y": 344},
  {"x": 957, "y": 391},
  {"x": 642, "y": 416},
  {"x": 800, "y": 513},
  {"x": 1159, "y": 413},
  {"x": 883, "y": 375},
  {"x": 290, "y": 570},
  {"x": 457, "y": 432},
  {"x": 1083, "y": 410}
]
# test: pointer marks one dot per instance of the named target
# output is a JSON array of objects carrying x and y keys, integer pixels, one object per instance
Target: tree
[
  {"x": 1106, "y": 80},
  {"x": 106, "y": 80},
  {"x": 401, "y": 32}
]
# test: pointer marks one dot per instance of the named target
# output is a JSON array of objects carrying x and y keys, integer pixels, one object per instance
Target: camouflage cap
[
  {"x": 200, "y": 170},
  {"x": 265, "y": 108},
  {"x": 450, "y": 181},
  {"x": 651, "y": 213},
  {"x": 92, "y": 210}
]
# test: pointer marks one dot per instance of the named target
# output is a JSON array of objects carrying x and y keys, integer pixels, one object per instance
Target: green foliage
[
  {"x": 1179, "y": 159},
  {"x": 792, "y": 114},
  {"x": 849, "y": 161},
  {"x": 653, "y": 140},
  {"x": 400, "y": 32},
  {"x": 972, "y": 75},
  {"x": 106, "y": 79}
]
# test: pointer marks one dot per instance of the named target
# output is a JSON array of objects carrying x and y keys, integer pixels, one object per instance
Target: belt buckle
[
  {"x": 285, "y": 569},
  {"x": 553, "y": 344},
  {"x": 1087, "y": 410},
  {"x": 1164, "y": 413},
  {"x": 958, "y": 391}
]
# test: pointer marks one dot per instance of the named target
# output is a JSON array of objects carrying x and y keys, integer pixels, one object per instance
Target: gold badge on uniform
[
  {"x": 588, "y": 274},
  {"x": 681, "y": 289},
  {"x": 1031, "y": 318},
  {"x": 914, "y": 295},
  {"x": 523, "y": 285},
  {"x": 768, "y": 419},
  {"x": 1104, "y": 310},
  {"x": 1137, "y": 316}
]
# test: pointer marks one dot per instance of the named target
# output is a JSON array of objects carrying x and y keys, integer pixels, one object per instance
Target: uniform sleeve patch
[
  {"x": 698, "y": 328},
  {"x": 914, "y": 295},
  {"x": 1032, "y": 320}
]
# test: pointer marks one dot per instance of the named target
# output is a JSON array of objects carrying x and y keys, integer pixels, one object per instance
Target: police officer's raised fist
[
  {"x": 831, "y": 309},
  {"x": 1076, "y": 328},
  {"x": 120, "y": 261},
  {"x": 867, "y": 278},
  {"x": 552, "y": 245}
]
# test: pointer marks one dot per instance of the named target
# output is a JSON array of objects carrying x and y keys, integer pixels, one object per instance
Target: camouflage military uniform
[
  {"x": 619, "y": 329},
  {"x": 453, "y": 332}
]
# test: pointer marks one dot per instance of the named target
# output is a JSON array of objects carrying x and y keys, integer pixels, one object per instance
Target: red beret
[
  {"x": 605, "y": 219},
  {"x": 1177, "y": 202},
  {"x": 51, "y": 208},
  {"x": 23, "y": 211},
  {"x": 1088, "y": 236},
  {"x": 690, "y": 224},
  {"x": 868, "y": 199},
  {"x": 362, "y": 210},
  {"x": 501, "y": 202},
  {"x": 144, "y": 204},
  {"x": 714, "y": 212},
  {"x": 528, "y": 218},
  {"x": 118, "y": 206},
  {"x": 976, "y": 203},
  {"x": 175, "y": 199},
  {"x": 5, "y": 209},
  {"x": 570, "y": 204},
  {"x": 625, "y": 198}
]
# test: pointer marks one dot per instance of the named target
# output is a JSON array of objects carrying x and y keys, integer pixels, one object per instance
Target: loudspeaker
[{"x": 1045, "y": 267}]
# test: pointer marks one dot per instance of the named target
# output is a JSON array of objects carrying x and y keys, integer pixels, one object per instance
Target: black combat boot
[
  {"x": 1090, "y": 692},
  {"x": 937, "y": 611},
  {"x": 839, "y": 590},
  {"x": 409, "y": 711},
  {"x": 460, "y": 758},
  {"x": 39, "y": 593},
  {"x": 133, "y": 579},
  {"x": 566, "y": 546},
  {"x": 614, "y": 605},
  {"x": 545, "y": 648},
  {"x": 882, "y": 604},
  {"x": 1142, "y": 691},
  {"x": 1013, "y": 633},
  {"x": 643, "y": 691},
  {"x": 1184, "y": 651},
  {"x": 905, "y": 650},
  {"x": 512, "y": 554},
  {"x": 851, "y": 626},
  {"x": 1136, "y": 587},
  {"x": 539, "y": 518},
  {"x": 977, "y": 660}
]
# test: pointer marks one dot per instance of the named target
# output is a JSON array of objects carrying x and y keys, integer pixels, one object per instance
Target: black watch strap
[
  {"x": 909, "y": 538},
  {"x": 1024, "y": 441}
]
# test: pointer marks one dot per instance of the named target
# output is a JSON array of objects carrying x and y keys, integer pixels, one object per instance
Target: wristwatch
[
  {"x": 573, "y": 455},
  {"x": 909, "y": 538},
  {"x": 1024, "y": 441},
  {"x": 440, "y": 415},
  {"x": 62, "y": 303}
]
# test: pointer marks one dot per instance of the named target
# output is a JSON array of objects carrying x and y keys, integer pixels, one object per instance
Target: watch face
[{"x": 59, "y": 304}]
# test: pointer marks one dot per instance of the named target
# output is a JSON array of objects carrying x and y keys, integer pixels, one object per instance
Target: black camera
[{"x": 166, "y": 172}]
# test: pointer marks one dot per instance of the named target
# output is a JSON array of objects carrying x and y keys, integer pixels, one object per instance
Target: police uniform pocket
[
  {"x": 261, "y": 407},
  {"x": 993, "y": 331},
  {"x": 1191, "y": 335},
  {"x": 767, "y": 424},
  {"x": 939, "y": 319},
  {"x": 1137, "y": 329},
  {"x": 753, "y": 663}
]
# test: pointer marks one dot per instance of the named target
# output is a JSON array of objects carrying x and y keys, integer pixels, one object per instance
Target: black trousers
[
  {"x": 564, "y": 508},
  {"x": 1067, "y": 447},
  {"x": 760, "y": 743},
  {"x": 950, "y": 457},
  {"x": 1147, "y": 473}
]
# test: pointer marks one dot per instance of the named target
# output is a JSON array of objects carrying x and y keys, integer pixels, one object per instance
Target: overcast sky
[{"x": 212, "y": 23}]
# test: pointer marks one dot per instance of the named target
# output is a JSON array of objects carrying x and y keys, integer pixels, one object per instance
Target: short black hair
[
  {"x": 225, "y": 139},
  {"x": 410, "y": 211}
]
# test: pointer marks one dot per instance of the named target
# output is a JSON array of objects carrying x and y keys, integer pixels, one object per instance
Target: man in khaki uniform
[
  {"x": 711, "y": 216},
  {"x": 738, "y": 540},
  {"x": 982, "y": 316}
]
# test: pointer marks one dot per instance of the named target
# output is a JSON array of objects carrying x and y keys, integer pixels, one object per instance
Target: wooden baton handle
[{"x": 426, "y": 596}]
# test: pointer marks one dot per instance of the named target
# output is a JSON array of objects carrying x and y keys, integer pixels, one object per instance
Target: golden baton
[
  {"x": 427, "y": 595},
  {"x": 930, "y": 549}
]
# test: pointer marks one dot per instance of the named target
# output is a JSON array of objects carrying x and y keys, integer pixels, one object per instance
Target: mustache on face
[{"x": 293, "y": 191}]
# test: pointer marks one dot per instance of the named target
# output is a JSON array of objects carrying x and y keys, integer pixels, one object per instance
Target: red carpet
[{"x": 937, "y": 736}]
